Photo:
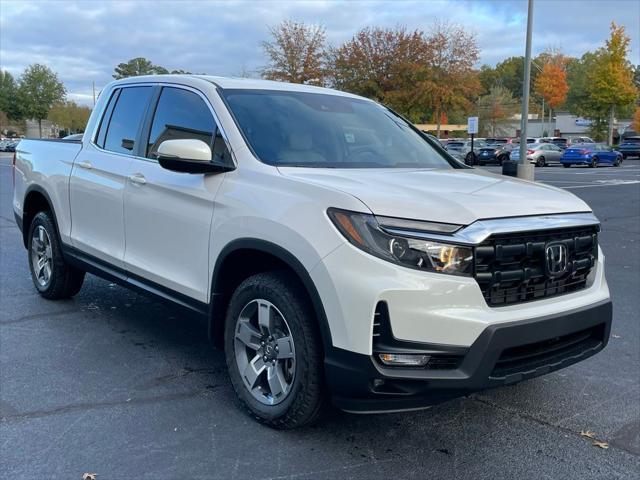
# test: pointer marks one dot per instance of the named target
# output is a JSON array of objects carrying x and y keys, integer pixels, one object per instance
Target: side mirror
[{"x": 188, "y": 156}]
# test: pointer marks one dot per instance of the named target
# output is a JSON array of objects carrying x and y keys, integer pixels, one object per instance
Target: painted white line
[{"x": 616, "y": 184}]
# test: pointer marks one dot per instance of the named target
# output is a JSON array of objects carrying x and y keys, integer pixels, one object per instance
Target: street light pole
[{"x": 525, "y": 169}]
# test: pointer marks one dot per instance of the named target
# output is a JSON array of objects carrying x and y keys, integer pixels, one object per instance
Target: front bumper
[{"x": 503, "y": 354}]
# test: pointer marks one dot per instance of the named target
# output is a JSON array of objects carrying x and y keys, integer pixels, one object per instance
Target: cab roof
[{"x": 234, "y": 83}]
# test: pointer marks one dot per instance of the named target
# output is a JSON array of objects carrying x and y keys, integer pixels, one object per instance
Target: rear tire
[
  {"x": 618, "y": 162},
  {"x": 540, "y": 162},
  {"x": 268, "y": 310},
  {"x": 52, "y": 276}
]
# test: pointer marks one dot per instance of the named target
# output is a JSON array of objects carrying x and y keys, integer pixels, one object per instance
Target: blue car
[{"x": 591, "y": 154}]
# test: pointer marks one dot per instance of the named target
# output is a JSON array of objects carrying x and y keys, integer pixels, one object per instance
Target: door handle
[
  {"x": 85, "y": 165},
  {"x": 138, "y": 179}
]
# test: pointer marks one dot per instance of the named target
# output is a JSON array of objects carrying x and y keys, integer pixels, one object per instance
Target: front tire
[
  {"x": 566, "y": 165},
  {"x": 594, "y": 162},
  {"x": 273, "y": 351},
  {"x": 540, "y": 162},
  {"x": 52, "y": 276},
  {"x": 618, "y": 162}
]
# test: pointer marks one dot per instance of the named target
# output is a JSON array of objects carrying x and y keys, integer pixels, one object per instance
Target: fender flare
[
  {"x": 287, "y": 258},
  {"x": 25, "y": 228}
]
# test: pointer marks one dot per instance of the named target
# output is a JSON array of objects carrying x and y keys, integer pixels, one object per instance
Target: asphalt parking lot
[{"x": 116, "y": 384}]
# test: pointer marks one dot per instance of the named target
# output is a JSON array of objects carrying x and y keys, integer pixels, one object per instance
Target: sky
[{"x": 84, "y": 40}]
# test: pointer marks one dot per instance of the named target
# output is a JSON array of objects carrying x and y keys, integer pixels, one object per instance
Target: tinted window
[
  {"x": 180, "y": 114},
  {"x": 102, "y": 132},
  {"x": 126, "y": 118}
]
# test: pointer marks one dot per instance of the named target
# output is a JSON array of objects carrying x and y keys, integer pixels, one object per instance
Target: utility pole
[{"x": 525, "y": 169}]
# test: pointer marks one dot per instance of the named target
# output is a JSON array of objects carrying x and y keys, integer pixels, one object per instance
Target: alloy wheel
[
  {"x": 41, "y": 255},
  {"x": 264, "y": 352}
]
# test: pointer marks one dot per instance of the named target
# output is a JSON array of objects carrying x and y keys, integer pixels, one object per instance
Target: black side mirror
[{"x": 177, "y": 164}]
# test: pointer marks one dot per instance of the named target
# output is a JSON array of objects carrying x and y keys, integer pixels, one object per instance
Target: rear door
[
  {"x": 554, "y": 153},
  {"x": 99, "y": 176},
  {"x": 168, "y": 214}
]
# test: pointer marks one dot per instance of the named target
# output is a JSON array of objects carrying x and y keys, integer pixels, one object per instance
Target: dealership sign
[
  {"x": 583, "y": 122},
  {"x": 472, "y": 125}
]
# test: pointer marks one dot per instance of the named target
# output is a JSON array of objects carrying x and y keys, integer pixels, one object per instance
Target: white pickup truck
[{"x": 335, "y": 251}]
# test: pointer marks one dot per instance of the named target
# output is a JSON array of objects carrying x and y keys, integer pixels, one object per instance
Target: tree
[
  {"x": 509, "y": 74},
  {"x": 610, "y": 82},
  {"x": 551, "y": 82},
  {"x": 635, "y": 125},
  {"x": 495, "y": 107},
  {"x": 39, "y": 90},
  {"x": 388, "y": 65},
  {"x": 297, "y": 53},
  {"x": 70, "y": 116},
  {"x": 454, "y": 51},
  {"x": 136, "y": 67},
  {"x": 10, "y": 105}
]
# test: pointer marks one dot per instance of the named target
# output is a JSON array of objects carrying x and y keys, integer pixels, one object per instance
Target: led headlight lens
[{"x": 365, "y": 232}]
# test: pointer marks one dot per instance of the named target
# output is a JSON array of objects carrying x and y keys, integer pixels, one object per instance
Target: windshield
[{"x": 328, "y": 131}]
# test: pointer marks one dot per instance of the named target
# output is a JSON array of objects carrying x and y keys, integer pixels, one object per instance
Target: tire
[
  {"x": 594, "y": 162},
  {"x": 566, "y": 165},
  {"x": 624, "y": 156},
  {"x": 618, "y": 162},
  {"x": 469, "y": 159},
  {"x": 482, "y": 164},
  {"x": 540, "y": 162},
  {"x": 301, "y": 398},
  {"x": 52, "y": 276}
]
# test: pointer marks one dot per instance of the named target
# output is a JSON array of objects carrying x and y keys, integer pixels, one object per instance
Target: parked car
[
  {"x": 630, "y": 147},
  {"x": 540, "y": 154},
  {"x": 591, "y": 154},
  {"x": 462, "y": 150},
  {"x": 494, "y": 152},
  {"x": 579, "y": 140},
  {"x": 558, "y": 141},
  {"x": 10, "y": 146},
  {"x": 333, "y": 251}
]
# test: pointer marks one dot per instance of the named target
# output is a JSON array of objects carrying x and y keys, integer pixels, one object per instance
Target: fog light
[{"x": 404, "y": 359}]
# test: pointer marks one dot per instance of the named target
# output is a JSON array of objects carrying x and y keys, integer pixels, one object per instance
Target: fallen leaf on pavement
[
  {"x": 89, "y": 476},
  {"x": 600, "y": 444},
  {"x": 615, "y": 336},
  {"x": 588, "y": 434}
]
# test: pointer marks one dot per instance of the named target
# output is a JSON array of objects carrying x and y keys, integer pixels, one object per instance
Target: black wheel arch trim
[
  {"x": 218, "y": 304},
  {"x": 25, "y": 228}
]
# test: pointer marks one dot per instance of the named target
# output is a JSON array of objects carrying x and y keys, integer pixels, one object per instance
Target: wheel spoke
[
  {"x": 265, "y": 318},
  {"x": 254, "y": 369},
  {"x": 277, "y": 383},
  {"x": 47, "y": 271},
  {"x": 248, "y": 335},
  {"x": 41, "y": 263},
  {"x": 41, "y": 235},
  {"x": 285, "y": 347}
]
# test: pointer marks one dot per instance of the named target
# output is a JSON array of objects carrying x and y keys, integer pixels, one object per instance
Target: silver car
[
  {"x": 462, "y": 149},
  {"x": 540, "y": 154}
]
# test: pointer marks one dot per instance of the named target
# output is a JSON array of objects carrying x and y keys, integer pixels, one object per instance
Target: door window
[
  {"x": 180, "y": 114},
  {"x": 125, "y": 121}
]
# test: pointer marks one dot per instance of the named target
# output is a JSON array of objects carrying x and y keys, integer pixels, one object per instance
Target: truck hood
[{"x": 449, "y": 196}]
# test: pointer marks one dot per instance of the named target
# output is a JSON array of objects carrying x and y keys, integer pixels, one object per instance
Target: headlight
[{"x": 373, "y": 235}]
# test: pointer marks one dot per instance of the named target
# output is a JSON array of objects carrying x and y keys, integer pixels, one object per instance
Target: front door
[{"x": 168, "y": 214}]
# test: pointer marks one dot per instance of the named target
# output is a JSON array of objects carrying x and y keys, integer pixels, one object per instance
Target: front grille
[
  {"x": 550, "y": 353},
  {"x": 511, "y": 268}
]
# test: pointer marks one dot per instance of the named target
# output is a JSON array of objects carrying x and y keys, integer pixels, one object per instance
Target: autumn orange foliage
[{"x": 551, "y": 84}]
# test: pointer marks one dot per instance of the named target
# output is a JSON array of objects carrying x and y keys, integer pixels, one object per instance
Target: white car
[{"x": 336, "y": 253}]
